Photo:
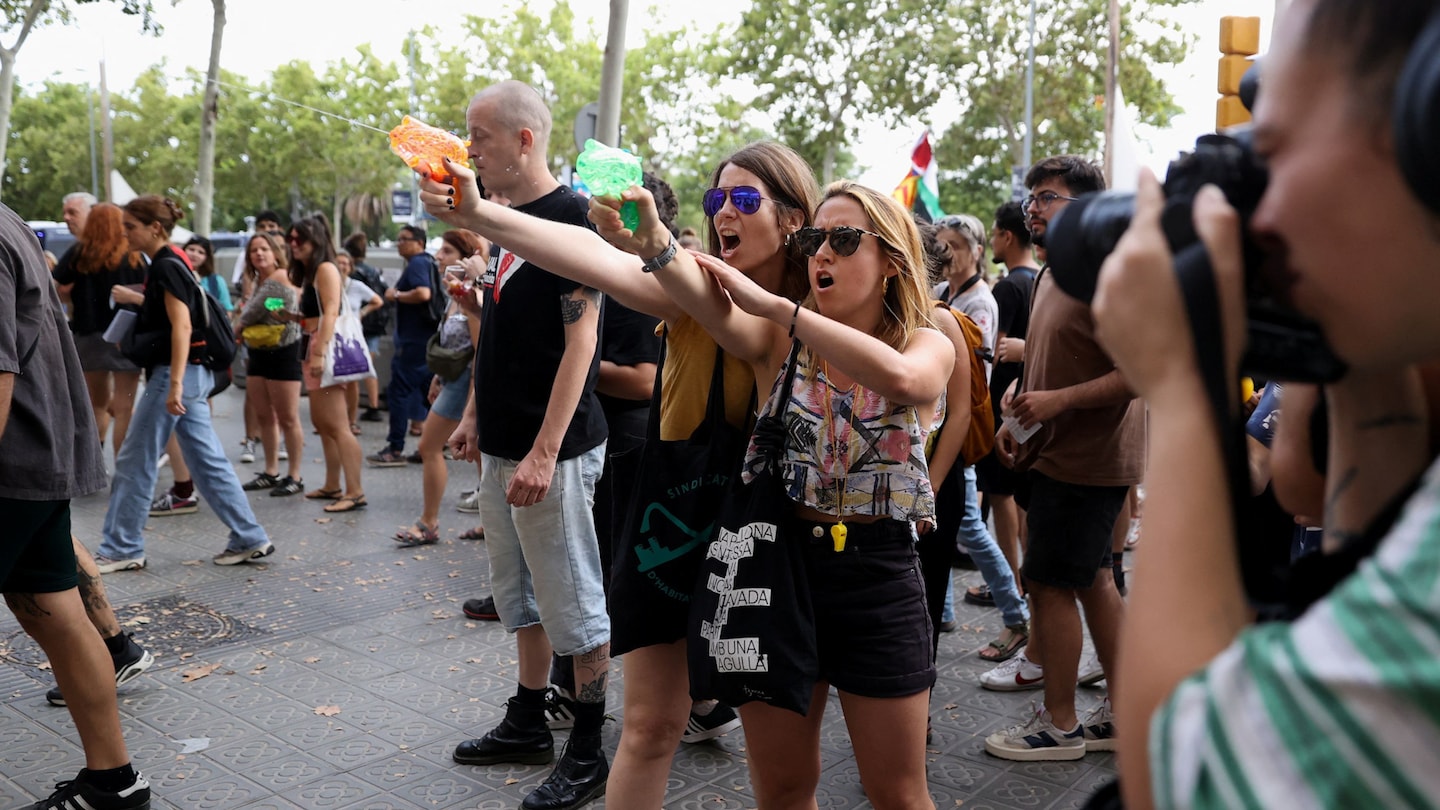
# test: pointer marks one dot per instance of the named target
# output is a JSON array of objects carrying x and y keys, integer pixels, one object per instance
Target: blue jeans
[
  {"x": 409, "y": 384},
  {"x": 976, "y": 540},
  {"x": 544, "y": 559},
  {"x": 136, "y": 468}
]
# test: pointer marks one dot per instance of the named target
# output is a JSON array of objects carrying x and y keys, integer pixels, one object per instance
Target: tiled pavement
[{"x": 341, "y": 674}]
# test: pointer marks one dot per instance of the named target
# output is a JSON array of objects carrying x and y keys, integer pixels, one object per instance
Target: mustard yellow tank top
[{"x": 685, "y": 381}]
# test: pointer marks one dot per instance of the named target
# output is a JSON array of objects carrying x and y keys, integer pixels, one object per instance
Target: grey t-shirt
[{"x": 50, "y": 450}]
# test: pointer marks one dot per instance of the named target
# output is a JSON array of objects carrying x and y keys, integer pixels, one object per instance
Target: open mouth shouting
[
  {"x": 729, "y": 242},
  {"x": 823, "y": 280}
]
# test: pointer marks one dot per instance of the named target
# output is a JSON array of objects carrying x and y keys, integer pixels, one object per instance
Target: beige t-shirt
[{"x": 1090, "y": 446}]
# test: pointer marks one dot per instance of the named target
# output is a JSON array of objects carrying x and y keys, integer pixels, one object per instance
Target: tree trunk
[
  {"x": 827, "y": 171},
  {"x": 205, "y": 175},
  {"x": 336, "y": 225},
  {"x": 7, "y": 76}
]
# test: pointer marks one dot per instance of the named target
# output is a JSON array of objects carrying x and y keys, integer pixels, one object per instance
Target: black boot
[
  {"x": 578, "y": 777},
  {"x": 509, "y": 742}
]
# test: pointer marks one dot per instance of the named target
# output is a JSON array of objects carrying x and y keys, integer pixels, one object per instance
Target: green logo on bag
[{"x": 652, "y": 554}]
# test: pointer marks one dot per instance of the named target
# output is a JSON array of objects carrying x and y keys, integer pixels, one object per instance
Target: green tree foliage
[
  {"x": 823, "y": 66},
  {"x": 49, "y": 148},
  {"x": 989, "y": 53}
]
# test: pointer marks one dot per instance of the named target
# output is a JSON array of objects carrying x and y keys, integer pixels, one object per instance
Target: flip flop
[
  {"x": 421, "y": 535},
  {"x": 477, "y": 533},
  {"x": 324, "y": 494},
  {"x": 347, "y": 504}
]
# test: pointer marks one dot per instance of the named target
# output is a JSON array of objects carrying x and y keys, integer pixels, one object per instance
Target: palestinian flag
[{"x": 920, "y": 190}]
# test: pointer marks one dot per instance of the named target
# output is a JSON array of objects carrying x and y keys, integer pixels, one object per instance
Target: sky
[{"x": 263, "y": 34}]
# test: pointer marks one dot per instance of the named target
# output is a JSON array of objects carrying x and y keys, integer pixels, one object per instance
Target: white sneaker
[
  {"x": 247, "y": 451},
  {"x": 164, "y": 461},
  {"x": 1015, "y": 675},
  {"x": 469, "y": 502},
  {"x": 1099, "y": 727},
  {"x": 283, "y": 454},
  {"x": 1037, "y": 739},
  {"x": 1091, "y": 672}
]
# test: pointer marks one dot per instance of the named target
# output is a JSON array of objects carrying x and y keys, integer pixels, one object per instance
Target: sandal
[
  {"x": 979, "y": 595},
  {"x": 347, "y": 504},
  {"x": 324, "y": 494},
  {"x": 421, "y": 535},
  {"x": 355, "y": 428},
  {"x": 1003, "y": 649},
  {"x": 477, "y": 533}
]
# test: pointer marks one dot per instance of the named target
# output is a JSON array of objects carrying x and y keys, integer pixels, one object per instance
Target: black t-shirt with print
[
  {"x": 1012, "y": 298},
  {"x": 522, "y": 340}
]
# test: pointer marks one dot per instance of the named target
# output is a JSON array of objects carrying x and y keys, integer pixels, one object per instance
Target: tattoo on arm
[
  {"x": 573, "y": 309},
  {"x": 1332, "y": 527},
  {"x": 1389, "y": 421}
]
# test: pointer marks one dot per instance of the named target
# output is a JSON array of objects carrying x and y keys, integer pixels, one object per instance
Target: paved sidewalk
[{"x": 340, "y": 673}]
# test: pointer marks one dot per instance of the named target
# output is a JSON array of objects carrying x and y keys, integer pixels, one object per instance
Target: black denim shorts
[
  {"x": 1070, "y": 529},
  {"x": 872, "y": 629},
  {"x": 38, "y": 555}
]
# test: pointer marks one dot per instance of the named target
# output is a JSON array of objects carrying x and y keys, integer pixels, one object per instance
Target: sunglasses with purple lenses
[{"x": 745, "y": 198}]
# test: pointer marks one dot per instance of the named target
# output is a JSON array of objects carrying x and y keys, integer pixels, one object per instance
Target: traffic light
[{"x": 1239, "y": 40}]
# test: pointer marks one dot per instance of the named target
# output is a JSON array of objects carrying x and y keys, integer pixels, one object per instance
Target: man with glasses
[
  {"x": 1078, "y": 433},
  {"x": 414, "y": 324}
]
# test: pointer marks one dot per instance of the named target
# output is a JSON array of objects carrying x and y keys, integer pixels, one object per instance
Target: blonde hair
[{"x": 908, "y": 303}]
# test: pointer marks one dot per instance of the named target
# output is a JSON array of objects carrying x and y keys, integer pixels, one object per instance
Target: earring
[{"x": 885, "y": 285}]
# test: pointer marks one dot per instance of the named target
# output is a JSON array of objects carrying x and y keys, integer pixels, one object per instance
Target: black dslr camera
[{"x": 1283, "y": 344}]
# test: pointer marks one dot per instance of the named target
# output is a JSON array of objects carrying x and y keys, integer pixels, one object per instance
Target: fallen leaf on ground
[
  {"x": 327, "y": 711},
  {"x": 199, "y": 672}
]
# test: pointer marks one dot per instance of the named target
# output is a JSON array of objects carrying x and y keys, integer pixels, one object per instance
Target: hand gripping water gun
[
  {"x": 423, "y": 148},
  {"x": 608, "y": 171}
]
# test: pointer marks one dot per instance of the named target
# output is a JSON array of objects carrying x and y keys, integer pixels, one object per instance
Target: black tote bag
[
  {"x": 752, "y": 625},
  {"x": 677, "y": 495}
]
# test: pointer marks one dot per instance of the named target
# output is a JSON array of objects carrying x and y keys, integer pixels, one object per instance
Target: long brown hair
[
  {"x": 316, "y": 231},
  {"x": 102, "y": 243},
  {"x": 792, "y": 185}
]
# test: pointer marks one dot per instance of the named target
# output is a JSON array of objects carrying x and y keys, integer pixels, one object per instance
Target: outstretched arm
[{"x": 565, "y": 250}]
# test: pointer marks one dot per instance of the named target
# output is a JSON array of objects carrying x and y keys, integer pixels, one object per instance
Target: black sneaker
[
  {"x": 371, "y": 415},
  {"x": 579, "y": 777},
  {"x": 287, "y": 486},
  {"x": 701, "y": 727},
  {"x": 415, "y": 458},
  {"x": 262, "y": 480},
  {"x": 79, "y": 793},
  {"x": 508, "y": 743},
  {"x": 481, "y": 609},
  {"x": 129, "y": 663},
  {"x": 559, "y": 708}
]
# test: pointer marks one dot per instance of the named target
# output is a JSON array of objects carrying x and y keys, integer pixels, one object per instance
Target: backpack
[
  {"x": 981, "y": 438},
  {"x": 214, "y": 342},
  {"x": 379, "y": 322},
  {"x": 438, "y": 301}
]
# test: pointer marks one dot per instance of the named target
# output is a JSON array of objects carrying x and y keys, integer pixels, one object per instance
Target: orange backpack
[{"x": 981, "y": 437}]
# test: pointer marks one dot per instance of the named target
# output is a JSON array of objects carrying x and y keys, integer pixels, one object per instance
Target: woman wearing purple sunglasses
[{"x": 761, "y": 196}]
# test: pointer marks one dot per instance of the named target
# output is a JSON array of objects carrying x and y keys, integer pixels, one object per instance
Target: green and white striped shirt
[{"x": 1339, "y": 709}]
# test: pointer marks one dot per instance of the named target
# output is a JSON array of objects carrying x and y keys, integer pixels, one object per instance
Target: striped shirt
[{"x": 1339, "y": 709}]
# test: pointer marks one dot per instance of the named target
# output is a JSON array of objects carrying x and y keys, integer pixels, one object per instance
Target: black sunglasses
[
  {"x": 844, "y": 240},
  {"x": 746, "y": 199}
]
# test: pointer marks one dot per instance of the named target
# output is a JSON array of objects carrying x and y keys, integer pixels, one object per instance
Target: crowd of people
[{"x": 830, "y": 402}]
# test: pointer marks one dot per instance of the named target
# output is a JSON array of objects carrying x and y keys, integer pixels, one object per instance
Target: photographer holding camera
[{"x": 1338, "y": 707}]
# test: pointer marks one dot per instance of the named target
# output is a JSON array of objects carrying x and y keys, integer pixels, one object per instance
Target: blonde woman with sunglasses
[{"x": 868, "y": 389}]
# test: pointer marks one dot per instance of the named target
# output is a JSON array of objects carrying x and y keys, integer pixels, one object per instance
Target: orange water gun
[{"x": 424, "y": 147}]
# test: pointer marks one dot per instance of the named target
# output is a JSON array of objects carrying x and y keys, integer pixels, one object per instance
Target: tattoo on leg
[
  {"x": 592, "y": 671},
  {"x": 25, "y": 606}
]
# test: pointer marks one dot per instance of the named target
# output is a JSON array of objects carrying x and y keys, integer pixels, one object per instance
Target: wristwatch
[{"x": 651, "y": 265}]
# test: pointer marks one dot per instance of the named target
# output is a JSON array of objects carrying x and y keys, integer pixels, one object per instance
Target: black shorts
[
  {"x": 282, "y": 364},
  {"x": 38, "y": 555},
  {"x": 872, "y": 629},
  {"x": 994, "y": 478},
  {"x": 1070, "y": 531}
]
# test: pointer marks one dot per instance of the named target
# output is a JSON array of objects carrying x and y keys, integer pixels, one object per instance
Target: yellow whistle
[{"x": 837, "y": 536}]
